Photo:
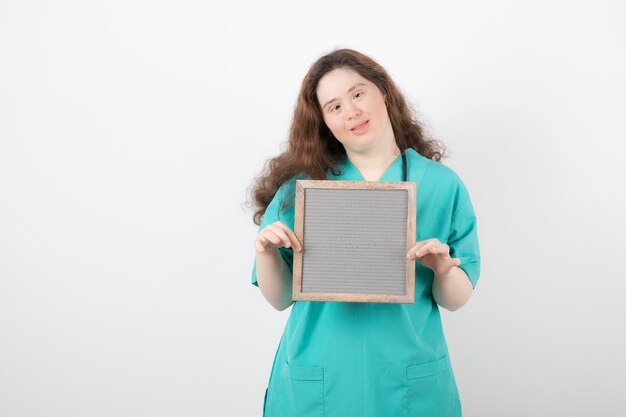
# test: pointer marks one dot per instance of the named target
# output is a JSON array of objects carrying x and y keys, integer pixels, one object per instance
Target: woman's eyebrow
[{"x": 349, "y": 91}]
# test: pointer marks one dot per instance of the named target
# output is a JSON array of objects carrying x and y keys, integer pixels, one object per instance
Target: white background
[{"x": 130, "y": 132}]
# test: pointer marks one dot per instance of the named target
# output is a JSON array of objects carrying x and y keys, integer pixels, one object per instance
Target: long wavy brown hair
[{"x": 312, "y": 150}]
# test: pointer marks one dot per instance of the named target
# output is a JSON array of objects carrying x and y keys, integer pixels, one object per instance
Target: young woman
[{"x": 351, "y": 122}]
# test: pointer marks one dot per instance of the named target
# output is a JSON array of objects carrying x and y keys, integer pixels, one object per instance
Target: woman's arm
[
  {"x": 273, "y": 275},
  {"x": 274, "y": 278},
  {"x": 451, "y": 286},
  {"x": 453, "y": 289}
]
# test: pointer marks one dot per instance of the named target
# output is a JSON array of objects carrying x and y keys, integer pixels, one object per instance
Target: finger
[
  {"x": 262, "y": 241},
  {"x": 283, "y": 239},
  {"x": 418, "y": 251},
  {"x": 412, "y": 252},
  {"x": 291, "y": 235},
  {"x": 424, "y": 242},
  {"x": 452, "y": 262},
  {"x": 258, "y": 246},
  {"x": 440, "y": 249},
  {"x": 424, "y": 250},
  {"x": 266, "y": 239},
  {"x": 292, "y": 240}
]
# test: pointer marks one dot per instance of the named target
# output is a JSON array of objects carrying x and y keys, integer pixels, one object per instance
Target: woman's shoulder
[
  {"x": 436, "y": 173},
  {"x": 286, "y": 192},
  {"x": 418, "y": 161},
  {"x": 282, "y": 206},
  {"x": 289, "y": 185}
]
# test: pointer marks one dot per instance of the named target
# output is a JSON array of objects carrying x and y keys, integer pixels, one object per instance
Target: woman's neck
[{"x": 373, "y": 163}]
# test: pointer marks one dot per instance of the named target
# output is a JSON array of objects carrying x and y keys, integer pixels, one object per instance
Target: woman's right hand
[{"x": 275, "y": 235}]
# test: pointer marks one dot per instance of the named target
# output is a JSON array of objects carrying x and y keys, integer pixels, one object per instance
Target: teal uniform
[{"x": 367, "y": 359}]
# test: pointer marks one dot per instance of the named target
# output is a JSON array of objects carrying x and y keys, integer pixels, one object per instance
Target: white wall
[{"x": 129, "y": 132}]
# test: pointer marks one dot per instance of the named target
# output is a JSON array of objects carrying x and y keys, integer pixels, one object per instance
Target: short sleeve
[
  {"x": 275, "y": 212},
  {"x": 463, "y": 240}
]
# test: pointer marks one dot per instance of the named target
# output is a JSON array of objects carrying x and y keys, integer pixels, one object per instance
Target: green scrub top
[{"x": 339, "y": 359}]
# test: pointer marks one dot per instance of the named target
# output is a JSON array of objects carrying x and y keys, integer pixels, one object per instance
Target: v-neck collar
[{"x": 349, "y": 171}]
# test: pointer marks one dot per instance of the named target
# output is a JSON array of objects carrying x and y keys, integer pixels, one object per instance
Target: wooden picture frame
[{"x": 355, "y": 236}]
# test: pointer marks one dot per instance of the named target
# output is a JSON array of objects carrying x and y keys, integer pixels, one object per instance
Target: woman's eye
[
  {"x": 358, "y": 95},
  {"x": 334, "y": 108}
]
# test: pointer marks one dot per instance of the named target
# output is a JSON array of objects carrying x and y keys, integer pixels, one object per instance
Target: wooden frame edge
[{"x": 301, "y": 186}]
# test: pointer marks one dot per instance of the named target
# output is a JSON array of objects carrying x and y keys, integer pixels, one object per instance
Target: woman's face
[{"x": 354, "y": 110}]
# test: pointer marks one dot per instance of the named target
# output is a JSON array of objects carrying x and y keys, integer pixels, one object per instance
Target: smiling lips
[{"x": 360, "y": 128}]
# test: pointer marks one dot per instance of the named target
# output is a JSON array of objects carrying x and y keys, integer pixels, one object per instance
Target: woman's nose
[{"x": 353, "y": 112}]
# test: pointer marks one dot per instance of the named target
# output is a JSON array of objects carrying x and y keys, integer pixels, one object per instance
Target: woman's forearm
[
  {"x": 453, "y": 289},
  {"x": 274, "y": 278}
]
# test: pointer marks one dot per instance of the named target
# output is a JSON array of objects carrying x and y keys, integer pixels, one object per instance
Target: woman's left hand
[{"x": 434, "y": 255}]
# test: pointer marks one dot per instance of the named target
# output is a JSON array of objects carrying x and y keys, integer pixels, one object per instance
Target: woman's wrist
[{"x": 446, "y": 274}]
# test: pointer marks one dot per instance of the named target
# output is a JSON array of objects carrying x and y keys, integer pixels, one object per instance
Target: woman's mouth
[{"x": 360, "y": 128}]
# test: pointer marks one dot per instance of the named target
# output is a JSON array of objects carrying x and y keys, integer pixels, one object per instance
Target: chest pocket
[{"x": 304, "y": 389}]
